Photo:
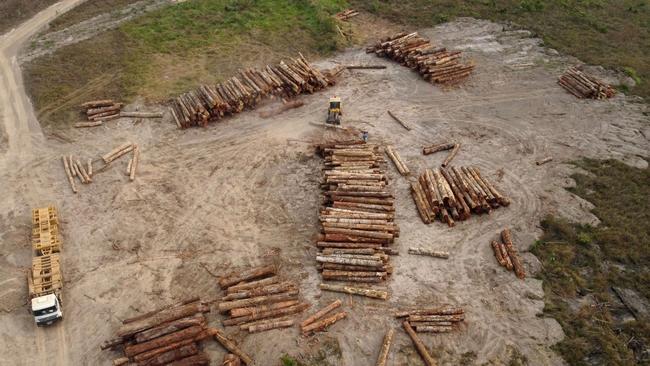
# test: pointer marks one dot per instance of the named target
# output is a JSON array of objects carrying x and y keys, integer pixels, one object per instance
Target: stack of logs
[
  {"x": 116, "y": 153},
  {"x": 506, "y": 254},
  {"x": 167, "y": 336},
  {"x": 99, "y": 111},
  {"x": 452, "y": 194},
  {"x": 434, "y": 320},
  {"x": 435, "y": 64},
  {"x": 208, "y": 103},
  {"x": 74, "y": 168},
  {"x": 583, "y": 85},
  {"x": 258, "y": 300},
  {"x": 357, "y": 218}
]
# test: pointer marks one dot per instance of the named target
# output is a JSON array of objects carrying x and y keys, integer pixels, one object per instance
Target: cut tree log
[
  {"x": 248, "y": 275},
  {"x": 166, "y": 307},
  {"x": 419, "y": 346},
  {"x": 134, "y": 165},
  {"x": 363, "y": 67},
  {"x": 266, "y": 314},
  {"x": 349, "y": 261},
  {"x": 451, "y": 155},
  {"x": 261, "y": 291},
  {"x": 444, "y": 310},
  {"x": 319, "y": 314},
  {"x": 170, "y": 327},
  {"x": 231, "y": 346},
  {"x": 382, "y": 359},
  {"x": 438, "y": 147},
  {"x": 231, "y": 360},
  {"x": 200, "y": 359},
  {"x": 261, "y": 308},
  {"x": 497, "y": 253},
  {"x": 155, "y": 352},
  {"x": 117, "y": 152},
  {"x": 172, "y": 355},
  {"x": 506, "y": 236},
  {"x": 270, "y": 325},
  {"x": 405, "y": 125},
  {"x": 83, "y": 172},
  {"x": 142, "y": 114},
  {"x": 88, "y": 124},
  {"x": 68, "y": 173},
  {"x": 437, "y": 318},
  {"x": 506, "y": 257},
  {"x": 368, "y": 292},
  {"x": 253, "y": 301},
  {"x": 163, "y": 316},
  {"x": 433, "y": 329},
  {"x": 544, "y": 161},
  {"x": 253, "y": 284},
  {"x": 324, "y": 323},
  {"x": 397, "y": 160},
  {"x": 98, "y": 103},
  {"x": 429, "y": 252},
  {"x": 183, "y": 334}
]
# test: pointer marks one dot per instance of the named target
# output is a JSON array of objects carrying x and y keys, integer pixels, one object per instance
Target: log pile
[
  {"x": 258, "y": 300},
  {"x": 212, "y": 102},
  {"x": 433, "y": 320},
  {"x": 166, "y": 336},
  {"x": 357, "y": 217},
  {"x": 506, "y": 254},
  {"x": 435, "y": 64},
  {"x": 453, "y": 194},
  {"x": 583, "y": 85},
  {"x": 99, "y": 111}
]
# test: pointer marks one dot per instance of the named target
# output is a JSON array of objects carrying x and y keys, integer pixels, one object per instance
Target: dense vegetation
[{"x": 581, "y": 263}]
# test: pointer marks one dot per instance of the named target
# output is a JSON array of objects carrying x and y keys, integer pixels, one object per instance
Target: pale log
[
  {"x": 253, "y": 301},
  {"x": 432, "y": 329},
  {"x": 266, "y": 314},
  {"x": 385, "y": 348},
  {"x": 136, "y": 159},
  {"x": 261, "y": 291},
  {"x": 419, "y": 346},
  {"x": 406, "y": 126},
  {"x": 368, "y": 292},
  {"x": 324, "y": 323},
  {"x": 238, "y": 312},
  {"x": 270, "y": 325},
  {"x": 319, "y": 314},
  {"x": 438, "y": 147},
  {"x": 451, "y": 155},
  {"x": 434, "y": 318},
  {"x": 429, "y": 252},
  {"x": 506, "y": 236},
  {"x": 88, "y": 124},
  {"x": 253, "y": 284},
  {"x": 68, "y": 173},
  {"x": 248, "y": 275},
  {"x": 444, "y": 310}
]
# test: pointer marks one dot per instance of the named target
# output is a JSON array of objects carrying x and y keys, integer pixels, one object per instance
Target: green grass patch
[
  {"x": 175, "y": 48},
  {"x": 610, "y": 33},
  {"x": 581, "y": 263}
]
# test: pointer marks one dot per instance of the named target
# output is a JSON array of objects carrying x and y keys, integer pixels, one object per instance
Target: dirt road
[
  {"x": 246, "y": 190},
  {"x": 20, "y": 141}
]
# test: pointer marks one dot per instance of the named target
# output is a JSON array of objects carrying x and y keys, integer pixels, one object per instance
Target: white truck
[{"x": 45, "y": 280}]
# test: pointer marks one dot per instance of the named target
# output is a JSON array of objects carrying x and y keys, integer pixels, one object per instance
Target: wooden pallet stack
[
  {"x": 506, "y": 254},
  {"x": 583, "y": 85},
  {"x": 212, "y": 102},
  {"x": 435, "y": 64},
  {"x": 454, "y": 193},
  {"x": 45, "y": 275},
  {"x": 357, "y": 218},
  {"x": 259, "y": 299},
  {"x": 433, "y": 320},
  {"x": 166, "y": 336}
]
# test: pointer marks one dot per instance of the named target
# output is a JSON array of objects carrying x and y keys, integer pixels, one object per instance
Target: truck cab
[{"x": 46, "y": 309}]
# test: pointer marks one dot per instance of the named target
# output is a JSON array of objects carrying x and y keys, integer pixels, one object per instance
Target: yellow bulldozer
[{"x": 334, "y": 111}]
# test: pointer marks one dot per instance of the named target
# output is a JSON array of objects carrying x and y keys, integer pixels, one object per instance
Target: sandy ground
[{"x": 245, "y": 190}]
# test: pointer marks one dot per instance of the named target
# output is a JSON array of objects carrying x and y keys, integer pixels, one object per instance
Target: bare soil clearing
[{"x": 246, "y": 189}]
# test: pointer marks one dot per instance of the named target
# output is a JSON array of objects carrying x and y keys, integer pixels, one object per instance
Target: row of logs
[
  {"x": 320, "y": 320},
  {"x": 453, "y": 194},
  {"x": 435, "y": 64},
  {"x": 506, "y": 254},
  {"x": 98, "y": 111},
  {"x": 583, "y": 85},
  {"x": 357, "y": 218},
  {"x": 170, "y": 335},
  {"x": 433, "y": 320},
  {"x": 212, "y": 102},
  {"x": 258, "y": 300}
]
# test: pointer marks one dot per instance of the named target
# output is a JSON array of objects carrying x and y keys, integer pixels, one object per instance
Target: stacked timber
[
  {"x": 212, "y": 102},
  {"x": 98, "y": 111},
  {"x": 453, "y": 194},
  {"x": 583, "y": 85},
  {"x": 435, "y": 64},
  {"x": 357, "y": 218},
  {"x": 433, "y": 320},
  {"x": 166, "y": 336},
  {"x": 506, "y": 254},
  {"x": 74, "y": 168},
  {"x": 259, "y": 299}
]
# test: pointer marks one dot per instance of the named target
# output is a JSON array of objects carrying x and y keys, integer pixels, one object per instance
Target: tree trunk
[
  {"x": 319, "y": 314},
  {"x": 428, "y": 252},
  {"x": 253, "y": 284},
  {"x": 251, "y": 274},
  {"x": 187, "y": 333},
  {"x": 231, "y": 346},
  {"x": 270, "y": 325},
  {"x": 266, "y": 314},
  {"x": 419, "y": 346},
  {"x": 385, "y": 348},
  {"x": 261, "y": 291},
  {"x": 163, "y": 316},
  {"x": 239, "y": 312},
  {"x": 512, "y": 253},
  {"x": 200, "y": 359},
  {"x": 368, "y": 292},
  {"x": 324, "y": 323},
  {"x": 253, "y": 301},
  {"x": 169, "y": 356}
]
